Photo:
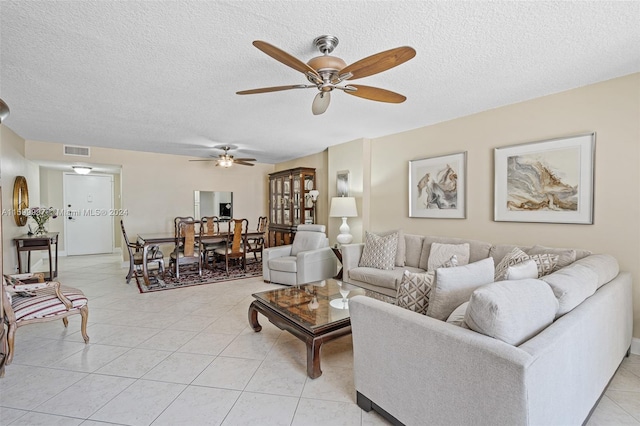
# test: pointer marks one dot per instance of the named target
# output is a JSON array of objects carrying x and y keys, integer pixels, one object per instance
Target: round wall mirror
[{"x": 20, "y": 200}]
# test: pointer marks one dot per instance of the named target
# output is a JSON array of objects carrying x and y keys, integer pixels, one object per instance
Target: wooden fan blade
[
  {"x": 271, "y": 89},
  {"x": 285, "y": 58},
  {"x": 379, "y": 62},
  {"x": 244, "y": 159},
  {"x": 242, "y": 163},
  {"x": 206, "y": 160},
  {"x": 376, "y": 94}
]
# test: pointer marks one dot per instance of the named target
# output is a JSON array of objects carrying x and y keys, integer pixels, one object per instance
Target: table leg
[
  {"x": 29, "y": 261},
  {"x": 253, "y": 318},
  {"x": 313, "y": 358},
  {"x": 19, "y": 259},
  {"x": 145, "y": 270},
  {"x": 56, "y": 270},
  {"x": 51, "y": 276}
]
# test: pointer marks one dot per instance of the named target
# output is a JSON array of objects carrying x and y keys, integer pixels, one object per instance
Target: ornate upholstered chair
[
  {"x": 236, "y": 243},
  {"x": 187, "y": 250},
  {"x": 256, "y": 244},
  {"x": 27, "y": 302},
  {"x": 308, "y": 259},
  {"x": 154, "y": 255}
]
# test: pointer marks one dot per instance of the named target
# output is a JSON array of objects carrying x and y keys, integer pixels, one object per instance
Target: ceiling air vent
[{"x": 78, "y": 151}]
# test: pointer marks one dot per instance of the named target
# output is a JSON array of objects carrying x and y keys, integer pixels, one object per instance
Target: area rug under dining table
[{"x": 190, "y": 278}]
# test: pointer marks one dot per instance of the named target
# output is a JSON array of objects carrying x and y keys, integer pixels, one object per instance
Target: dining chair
[
  {"x": 236, "y": 243},
  {"x": 187, "y": 250},
  {"x": 256, "y": 244},
  {"x": 209, "y": 227},
  {"x": 154, "y": 255}
]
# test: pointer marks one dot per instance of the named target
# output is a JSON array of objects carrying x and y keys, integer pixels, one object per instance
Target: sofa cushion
[
  {"x": 284, "y": 264},
  {"x": 565, "y": 256},
  {"x": 442, "y": 253},
  {"x": 413, "y": 248},
  {"x": 604, "y": 265},
  {"x": 414, "y": 290},
  {"x": 523, "y": 270},
  {"x": 572, "y": 285},
  {"x": 389, "y": 278},
  {"x": 379, "y": 251},
  {"x": 478, "y": 250},
  {"x": 457, "y": 316},
  {"x": 515, "y": 256},
  {"x": 453, "y": 286},
  {"x": 512, "y": 311}
]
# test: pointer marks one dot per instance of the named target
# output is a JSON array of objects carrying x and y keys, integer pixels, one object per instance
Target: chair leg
[
  {"x": 84, "y": 313},
  {"x": 131, "y": 272},
  {"x": 11, "y": 334}
]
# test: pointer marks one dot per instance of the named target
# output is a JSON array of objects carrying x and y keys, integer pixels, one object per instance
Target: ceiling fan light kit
[
  {"x": 226, "y": 160},
  {"x": 327, "y": 72}
]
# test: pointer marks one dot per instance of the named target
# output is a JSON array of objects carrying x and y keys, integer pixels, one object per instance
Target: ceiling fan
[
  {"x": 226, "y": 160},
  {"x": 326, "y": 72}
]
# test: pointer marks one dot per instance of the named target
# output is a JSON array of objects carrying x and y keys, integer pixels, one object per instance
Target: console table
[{"x": 30, "y": 243}]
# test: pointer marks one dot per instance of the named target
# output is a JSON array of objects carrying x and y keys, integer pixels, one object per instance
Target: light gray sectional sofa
[{"x": 418, "y": 370}]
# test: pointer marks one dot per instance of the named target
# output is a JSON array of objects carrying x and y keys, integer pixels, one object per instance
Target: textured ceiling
[{"x": 161, "y": 76}]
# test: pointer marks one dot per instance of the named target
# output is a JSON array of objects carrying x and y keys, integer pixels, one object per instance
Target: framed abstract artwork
[
  {"x": 342, "y": 183},
  {"x": 547, "y": 181},
  {"x": 437, "y": 187}
]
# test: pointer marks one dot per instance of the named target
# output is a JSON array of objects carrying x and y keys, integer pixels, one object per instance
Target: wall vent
[{"x": 78, "y": 151}]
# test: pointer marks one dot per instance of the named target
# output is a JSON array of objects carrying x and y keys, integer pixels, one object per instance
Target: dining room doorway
[{"x": 88, "y": 214}]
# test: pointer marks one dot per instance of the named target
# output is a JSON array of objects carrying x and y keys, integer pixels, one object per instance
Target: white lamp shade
[{"x": 343, "y": 207}]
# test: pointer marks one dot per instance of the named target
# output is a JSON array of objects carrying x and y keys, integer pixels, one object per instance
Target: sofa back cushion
[
  {"x": 511, "y": 311},
  {"x": 478, "y": 250},
  {"x": 453, "y": 286},
  {"x": 413, "y": 249},
  {"x": 572, "y": 285},
  {"x": 604, "y": 265},
  {"x": 309, "y": 237}
]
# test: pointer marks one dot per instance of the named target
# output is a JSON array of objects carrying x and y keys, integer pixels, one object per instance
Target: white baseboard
[{"x": 635, "y": 346}]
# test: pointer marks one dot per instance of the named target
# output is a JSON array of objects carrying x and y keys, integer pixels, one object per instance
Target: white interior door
[{"x": 88, "y": 203}]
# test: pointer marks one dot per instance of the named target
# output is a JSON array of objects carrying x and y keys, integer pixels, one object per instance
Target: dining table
[{"x": 150, "y": 240}]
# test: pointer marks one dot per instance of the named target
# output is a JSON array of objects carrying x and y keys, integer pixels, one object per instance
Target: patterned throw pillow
[
  {"x": 379, "y": 251},
  {"x": 414, "y": 291},
  {"x": 515, "y": 256},
  {"x": 546, "y": 263}
]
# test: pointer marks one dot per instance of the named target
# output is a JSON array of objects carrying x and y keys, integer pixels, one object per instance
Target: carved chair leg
[
  {"x": 11, "y": 334},
  {"x": 65, "y": 321},
  {"x": 84, "y": 313}
]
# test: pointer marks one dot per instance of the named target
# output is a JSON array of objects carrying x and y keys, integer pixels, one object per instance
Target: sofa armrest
[
  {"x": 421, "y": 369},
  {"x": 351, "y": 254},
  {"x": 316, "y": 265}
]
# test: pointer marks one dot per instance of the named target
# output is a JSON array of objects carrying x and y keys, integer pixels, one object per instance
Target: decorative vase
[{"x": 40, "y": 230}]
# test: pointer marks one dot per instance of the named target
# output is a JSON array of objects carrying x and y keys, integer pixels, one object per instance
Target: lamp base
[{"x": 344, "y": 237}]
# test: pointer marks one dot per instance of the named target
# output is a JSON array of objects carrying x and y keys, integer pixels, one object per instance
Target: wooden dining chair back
[
  {"x": 256, "y": 244},
  {"x": 187, "y": 250},
  {"x": 154, "y": 255},
  {"x": 236, "y": 243},
  {"x": 210, "y": 227}
]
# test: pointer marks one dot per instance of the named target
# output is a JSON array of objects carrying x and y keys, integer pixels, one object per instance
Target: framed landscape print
[
  {"x": 547, "y": 181},
  {"x": 437, "y": 187}
]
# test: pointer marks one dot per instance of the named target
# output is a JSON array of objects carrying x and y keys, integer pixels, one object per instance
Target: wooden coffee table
[{"x": 305, "y": 312}]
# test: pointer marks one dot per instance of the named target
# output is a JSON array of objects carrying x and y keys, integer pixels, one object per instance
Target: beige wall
[
  {"x": 611, "y": 109},
  {"x": 158, "y": 187},
  {"x": 14, "y": 163}
]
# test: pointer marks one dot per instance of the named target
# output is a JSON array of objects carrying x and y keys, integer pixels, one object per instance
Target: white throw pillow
[
  {"x": 441, "y": 253},
  {"x": 453, "y": 286},
  {"x": 521, "y": 271},
  {"x": 379, "y": 252},
  {"x": 512, "y": 311}
]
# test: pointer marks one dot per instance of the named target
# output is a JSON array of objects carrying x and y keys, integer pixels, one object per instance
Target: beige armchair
[{"x": 308, "y": 259}]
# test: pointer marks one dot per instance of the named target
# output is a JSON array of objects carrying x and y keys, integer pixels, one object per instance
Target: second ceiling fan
[{"x": 326, "y": 72}]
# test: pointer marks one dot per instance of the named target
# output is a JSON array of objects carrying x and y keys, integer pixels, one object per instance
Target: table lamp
[{"x": 343, "y": 207}]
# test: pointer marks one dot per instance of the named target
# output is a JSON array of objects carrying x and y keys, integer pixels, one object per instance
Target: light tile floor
[{"x": 189, "y": 357}]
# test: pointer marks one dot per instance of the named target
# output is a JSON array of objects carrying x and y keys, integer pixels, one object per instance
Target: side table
[
  {"x": 31, "y": 243},
  {"x": 338, "y": 254}
]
